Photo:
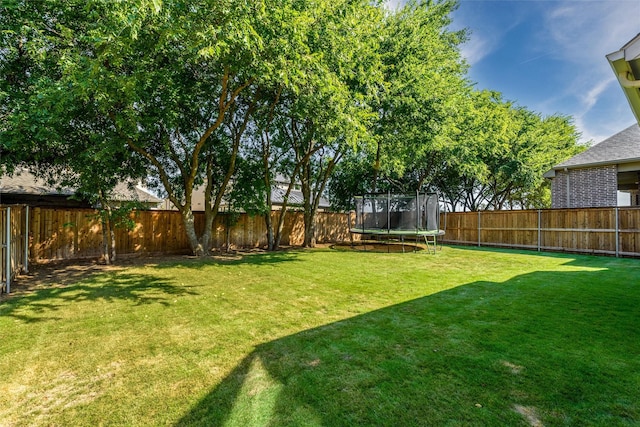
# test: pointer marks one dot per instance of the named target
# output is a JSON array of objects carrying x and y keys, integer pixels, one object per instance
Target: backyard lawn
[{"x": 470, "y": 337}]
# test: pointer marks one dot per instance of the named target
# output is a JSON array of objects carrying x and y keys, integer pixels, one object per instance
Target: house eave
[
  {"x": 626, "y": 67},
  {"x": 593, "y": 165},
  {"x": 550, "y": 174}
]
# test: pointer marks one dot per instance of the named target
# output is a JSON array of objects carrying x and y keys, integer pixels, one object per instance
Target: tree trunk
[
  {"x": 283, "y": 210},
  {"x": 113, "y": 243},
  {"x": 205, "y": 238},
  {"x": 309, "y": 228},
  {"x": 266, "y": 153},
  {"x": 271, "y": 245},
  {"x": 309, "y": 240},
  {"x": 108, "y": 235},
  {"x": 270, "y": 237},
  {"x": 376, "y": 168},
  {"x": 279, "y": 228},
  {"x": 106, "y": 250},
  {"x": 192, "y": 236}
]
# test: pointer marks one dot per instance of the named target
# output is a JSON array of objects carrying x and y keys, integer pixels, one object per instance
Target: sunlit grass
[{"x": 327, "y": 337}]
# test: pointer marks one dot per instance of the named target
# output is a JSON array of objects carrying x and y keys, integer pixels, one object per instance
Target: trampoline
[{"x": 398, "y": 217}]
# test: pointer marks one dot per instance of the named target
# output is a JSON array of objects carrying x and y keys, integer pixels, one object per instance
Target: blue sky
[{"x": 549, "y": 55}]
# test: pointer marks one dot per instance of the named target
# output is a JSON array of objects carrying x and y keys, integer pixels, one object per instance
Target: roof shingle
[{"x": 623, "y": 147}]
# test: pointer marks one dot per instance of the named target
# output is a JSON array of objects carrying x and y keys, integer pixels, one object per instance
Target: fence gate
[{"x": 14, "y": 242}]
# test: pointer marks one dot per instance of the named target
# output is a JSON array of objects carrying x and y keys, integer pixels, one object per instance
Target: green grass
[{"x": 464, "y": 337}]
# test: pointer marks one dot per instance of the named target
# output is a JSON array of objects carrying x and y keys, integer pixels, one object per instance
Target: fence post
[
  {"x": 539, "y": 229},
  {"x": 479, "y": 229},
  {"x": 388, "y": 211},
  {"x": 617, "y": 233},
  {"x": 8, "y": 251},
  {"x": 25, "y": 261}
]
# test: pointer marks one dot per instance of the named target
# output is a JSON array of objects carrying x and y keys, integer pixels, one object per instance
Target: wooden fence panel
[
  {"x": 608, "y": 231},
  {"x": 579, "y": 230},
  {"x": 77, "y": 233},
  {"x": 461, "y": 227},
  {"x": 293, "y": 230},
  {"x": 4, "y": 251},
  {"x": 160, "y": 232},
  {"x": 64, "y": 234},
  {"x": 18, "y": 237},
  {"x": 502, "y": 228},
  {"x": 629, "y": 235},
  {"x": 332, "y": 227}
]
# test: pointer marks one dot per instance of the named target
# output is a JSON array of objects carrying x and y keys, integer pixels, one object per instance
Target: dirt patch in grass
[
  {"x": 391, "y": 247},
  {"x": 56, "y": 273},
  {"x": 530, "y": 414},
  {"x": 515, "y": 369}
]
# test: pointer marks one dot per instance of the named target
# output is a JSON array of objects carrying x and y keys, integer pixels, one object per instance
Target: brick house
[{"x": 594, "y": 177}]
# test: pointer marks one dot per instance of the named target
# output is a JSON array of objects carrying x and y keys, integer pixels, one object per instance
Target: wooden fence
[
  {"x": 13, "y": 243},
  {"x": 56, "y": 234},
  {"x": 606, "y": 231},
  {"x": 76, "y": 233}
]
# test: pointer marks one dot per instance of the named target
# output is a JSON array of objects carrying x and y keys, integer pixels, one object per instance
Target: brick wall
[
  {"x": 588, "y": 188},
  {"x": 559, "y": 191}
]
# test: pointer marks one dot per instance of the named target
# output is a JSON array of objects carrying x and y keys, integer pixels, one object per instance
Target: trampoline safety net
[{"x": 400, "y": 213}]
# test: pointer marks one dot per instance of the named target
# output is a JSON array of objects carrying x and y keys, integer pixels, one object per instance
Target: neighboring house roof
[
  {"x": 129, "y": 192},
  {"x": 277, "y": 199},
  {"x": 25, "y": 183},
  {"x": 623, "y": 147},
  {"x": 295, "y": 198},
  {"x": 626, "y": 66}
]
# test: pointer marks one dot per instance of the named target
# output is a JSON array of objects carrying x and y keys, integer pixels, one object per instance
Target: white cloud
[
  {"x": 580, "y": 34},
  {"x": 588, "y": 30},
  {"x": 590, "y": 96},
  {"x": 572, "y": 37},
  {"x": 476, "y": 48}
]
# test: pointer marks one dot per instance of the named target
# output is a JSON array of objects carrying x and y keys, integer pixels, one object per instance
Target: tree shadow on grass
[
  {"x": 52, "y": 287},
  {"x": 545, "y": 348},
  {"x": 49, "y": 286},
  {"x": 257, "y": 257}
]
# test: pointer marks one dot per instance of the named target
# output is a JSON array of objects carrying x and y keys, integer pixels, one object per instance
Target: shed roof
[{"x": 623, "y": 147}]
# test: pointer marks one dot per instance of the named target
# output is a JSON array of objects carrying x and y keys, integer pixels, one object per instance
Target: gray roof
[
  {"x": 24, "y": 182},
  {"x": 623, "y": 147},
  {"x": 130, "y": 192},
  {"x": 295, "y": 198}
]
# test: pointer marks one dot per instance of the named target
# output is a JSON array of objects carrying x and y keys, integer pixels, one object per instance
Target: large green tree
[
  {"x": 423, "y": 76},
  {"x": 500, "y": 152},
  {"x": 310, "y": 119},
  {"x": 163, "y": 78}
]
